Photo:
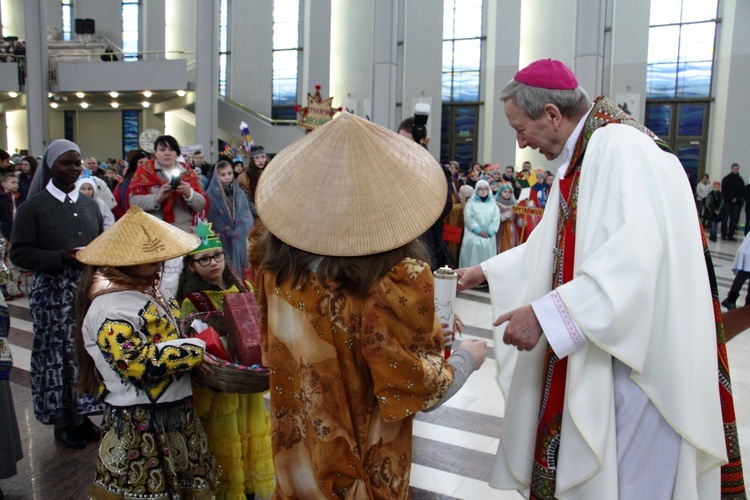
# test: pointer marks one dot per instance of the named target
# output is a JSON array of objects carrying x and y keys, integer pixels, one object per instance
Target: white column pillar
[
  {"x": 250, "y": 64},
  {"x": 502, "y": 53},
  {"x": 384, "y": 40},
  {"x": 153, "y": 22},
  {"x": 627, "y": 69},
  {"x": 315, "y": 63},
  {"x": 728, "y": 121},
  {"x": 588, "y": 60},
  {"x": 37, "y": 75},
  {"x": 207, "y": 78},
  {"x": 423, "y": 60}
]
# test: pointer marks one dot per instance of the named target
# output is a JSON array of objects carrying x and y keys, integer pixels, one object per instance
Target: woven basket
[
  {"x": 229, "y": 377},
  {"x": 233, "y": 377}
]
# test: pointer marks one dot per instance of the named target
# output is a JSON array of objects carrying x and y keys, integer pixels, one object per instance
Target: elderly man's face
[
  {"x": 91, "y": 164},
  {"x": 540, "y": 134}
]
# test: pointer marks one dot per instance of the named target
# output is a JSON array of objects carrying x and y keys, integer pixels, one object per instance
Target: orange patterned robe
[{"x": 347, "y": 375}]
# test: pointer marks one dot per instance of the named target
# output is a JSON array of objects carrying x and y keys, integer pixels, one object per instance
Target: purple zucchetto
[{"x": 547, "y": 74}]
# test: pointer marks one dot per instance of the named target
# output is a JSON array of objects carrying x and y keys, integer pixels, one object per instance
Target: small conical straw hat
[
  {"x": 351, "y": 188},
  {"x": 137, "y": 238}
]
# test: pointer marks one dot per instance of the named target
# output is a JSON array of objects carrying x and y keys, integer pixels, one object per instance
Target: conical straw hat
[
  {"x": 351, "y": 188},
  {"x": 137, "y": 238}
]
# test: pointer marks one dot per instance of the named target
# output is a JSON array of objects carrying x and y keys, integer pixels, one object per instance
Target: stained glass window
[
  {"x": 462, "y": 50},
  {"x": 130, "y": 29},
  {"x": 67, "y": 19},
  {"x": 681, "y": 48},
  {"x": 691, "y": 119},
  {"x": 130, "y": 134},
  {"x": 285, "y": 55},
  {"x": 658, "y": 118}
]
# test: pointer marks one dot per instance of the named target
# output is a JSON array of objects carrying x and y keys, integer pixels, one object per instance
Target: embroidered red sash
[{"x": 544, "y": 472}]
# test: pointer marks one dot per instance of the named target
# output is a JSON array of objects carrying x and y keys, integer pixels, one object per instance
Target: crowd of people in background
[{"x": 493, "y": 210}]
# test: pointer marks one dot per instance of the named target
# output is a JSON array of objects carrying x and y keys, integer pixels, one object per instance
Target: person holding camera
[
  {"x": 415, "y": 129},
  {"x": 169, "y": 190}
]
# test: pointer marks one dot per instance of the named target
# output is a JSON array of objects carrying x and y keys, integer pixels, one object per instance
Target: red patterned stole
[{"x": 544, "y": 473}]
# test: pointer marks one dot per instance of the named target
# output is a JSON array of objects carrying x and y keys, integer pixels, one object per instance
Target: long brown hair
[
  {"x": 87, "y": 381},
  {"x": 229, "y": 275},
  {"x": 354, "y": 275}
]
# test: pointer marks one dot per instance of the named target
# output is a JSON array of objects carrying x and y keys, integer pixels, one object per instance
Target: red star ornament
[{"x": 317, "y": 112}]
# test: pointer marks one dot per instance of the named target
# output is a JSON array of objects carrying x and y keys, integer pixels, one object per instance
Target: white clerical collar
[
  {"x": 59, "y": 195},
  {"x": 563, "y": 160}
]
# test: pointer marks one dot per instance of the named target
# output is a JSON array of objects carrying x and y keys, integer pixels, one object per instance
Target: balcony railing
[
  {"x": 259, "y": 116},
  {"x": 100, "y": 54}
]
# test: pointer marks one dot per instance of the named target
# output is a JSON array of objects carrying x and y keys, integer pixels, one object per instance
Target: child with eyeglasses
[{"x": 237, "y": 425}]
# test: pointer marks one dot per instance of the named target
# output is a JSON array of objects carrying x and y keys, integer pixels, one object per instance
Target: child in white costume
[{"x": 130, "y": 353}]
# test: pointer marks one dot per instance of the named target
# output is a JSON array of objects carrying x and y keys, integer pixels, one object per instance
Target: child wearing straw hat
[
  {"x": 237, "y": 425},
  {"x": 346, "y": 303},
  {"x": 131, "y": 355}
]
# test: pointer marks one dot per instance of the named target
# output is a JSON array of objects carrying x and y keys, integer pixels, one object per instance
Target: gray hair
[{"x": 571, "y": 103}]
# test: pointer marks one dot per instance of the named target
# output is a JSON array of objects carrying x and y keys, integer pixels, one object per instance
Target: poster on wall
[
  {"x": 631, "y": 104},
  {"x": 318, "y": 111}
]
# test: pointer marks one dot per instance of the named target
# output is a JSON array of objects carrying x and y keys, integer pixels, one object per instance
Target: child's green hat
[{"x": 205, "y": 232}]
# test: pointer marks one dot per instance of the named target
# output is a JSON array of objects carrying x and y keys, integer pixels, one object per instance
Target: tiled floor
[{"x": 454, "y": 446}]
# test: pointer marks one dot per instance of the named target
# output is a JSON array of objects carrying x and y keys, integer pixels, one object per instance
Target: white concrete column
[
  {"x": 153, "y": 22},
  {"x": 37, "y": 75},
  {"x": 315, "y": 60},
  {"x": 251, "y": 64},
  {"x": 422, "y": 65},
  {"x": 728, "y": 121},
  {"x": 626, "y": 71},
  {"x": 207, "y": 78},
  {"x": 351, "y": 54},
  {"x": 502, "y": 52},
  {"x": 588, "y": 59},
  {"x": 384, "y": 41}
]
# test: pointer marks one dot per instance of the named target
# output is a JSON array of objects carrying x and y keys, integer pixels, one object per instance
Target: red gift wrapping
[
  {"x": 243, "y": 327},
  {"x": 213, "y": 343}
]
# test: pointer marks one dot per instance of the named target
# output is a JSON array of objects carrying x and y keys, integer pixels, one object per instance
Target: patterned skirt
[
  {"x": 154, "y": 452},
  {"x": 54, "y": 371}
]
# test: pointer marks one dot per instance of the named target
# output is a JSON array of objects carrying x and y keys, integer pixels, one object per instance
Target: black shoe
[
  {"x": 70, "y": 437},
  {"x": 729, "y": 304},
  {"x": 89, "y": 431},
  {"x": 712, "y": 238},
  {"x": 723, "y": 238},
  {"x": 730, "y": 238}
]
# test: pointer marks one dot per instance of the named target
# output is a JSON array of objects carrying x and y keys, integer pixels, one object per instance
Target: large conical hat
[
  {"x": 351, "y": 188},
  {"x": 137, "y": 238}
]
